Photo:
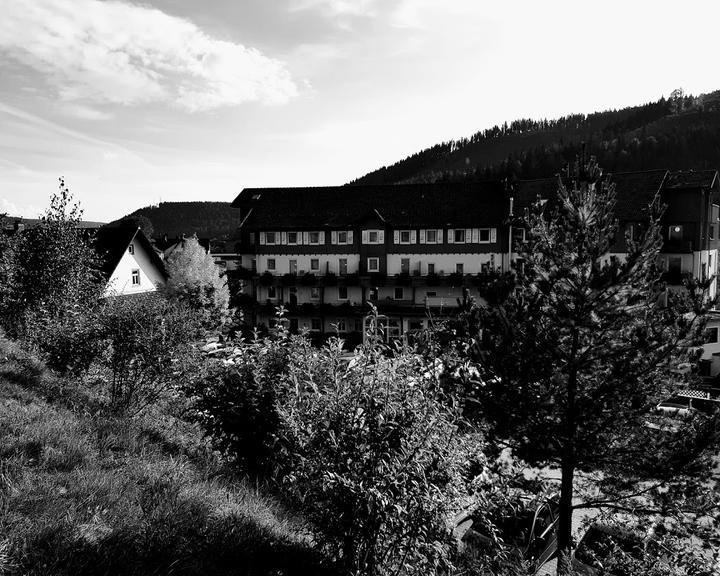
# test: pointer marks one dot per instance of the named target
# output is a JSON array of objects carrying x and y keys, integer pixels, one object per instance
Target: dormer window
[
  {"x": 292, "y": 237},
  {"x": 270, "y": 238},
  {"x": 373, "y": 236},
  {"x": 675, "y": 233}
]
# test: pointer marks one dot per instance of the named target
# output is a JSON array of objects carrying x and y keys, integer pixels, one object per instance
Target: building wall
[
  {"x": 327, "y": 263},
  {"x": 444, "y": 263},
  {"x": 120, "y": 282}
]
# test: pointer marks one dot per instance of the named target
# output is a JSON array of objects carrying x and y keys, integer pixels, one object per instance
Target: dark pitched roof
[
  {"x": 634, "y": 191},
  {"x": 438, "y": 204},
  {"x": 111, "y": 244},
  {"x": 691, "y": 179}
]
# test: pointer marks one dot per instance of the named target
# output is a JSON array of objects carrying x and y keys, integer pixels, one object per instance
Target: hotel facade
[{"x": 413, "y": 251}]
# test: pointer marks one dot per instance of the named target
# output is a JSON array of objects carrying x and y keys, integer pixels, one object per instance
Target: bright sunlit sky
[{"x": 140, "y": 102}]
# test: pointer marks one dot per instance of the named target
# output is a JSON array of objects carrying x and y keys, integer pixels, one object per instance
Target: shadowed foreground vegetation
[{"x": 85, "y": 492}]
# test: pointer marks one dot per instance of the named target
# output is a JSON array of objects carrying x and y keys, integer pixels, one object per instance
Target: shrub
[
  {"x": 371, "y": 453},
  {"x": 148, "y": 347}
]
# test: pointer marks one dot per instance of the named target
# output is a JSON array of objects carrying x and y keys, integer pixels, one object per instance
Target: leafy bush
[
  {"x": 148, "y": 347},
  {"x": 370, "y": 451},
  {"x": 69, "y": 342}
]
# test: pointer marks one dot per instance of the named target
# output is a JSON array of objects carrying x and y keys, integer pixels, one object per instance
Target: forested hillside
[
  {"x": 206, "y": 219},
  {"x": 681, "y": 132}
]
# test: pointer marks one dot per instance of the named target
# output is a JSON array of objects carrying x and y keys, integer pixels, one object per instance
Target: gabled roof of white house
[{"x": 112, "y": 243}]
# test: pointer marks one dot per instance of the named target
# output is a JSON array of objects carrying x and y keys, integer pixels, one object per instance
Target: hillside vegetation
[
  {"x": 682, "y": 132},
  {"x": 205, "y": 219},
  {"x": 83, "y": 491}
]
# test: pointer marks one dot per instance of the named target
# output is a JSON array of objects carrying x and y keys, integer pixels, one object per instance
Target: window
[
  {"x": 131, "y": 249},
  {"x": 315, "y": 324},
  {"x": 373, "y": 296},
  {"x": 373, "y": 264},
  {"x": 292, "y": 237},
  {"x": 431, "y": 236},
  {"x": 292, "y": 266},
  {"x": 136, "y": 277},
  {"x": 430, "y": 294},
  {"x": 342, "y": 266},
  {"x": 415, "y": 325},
  {"x": 314, "y": 293},
  {"x": 431, "y": 268},
  {"x": 341, "y": 325},
  {"x": 271, "y": 264},
  {"x": 342, "y": 293},
  {"x": 399, "y": 293},
  {"x": 675, "y": 264},
  {"x": 272, "y": 292},
  {"x": 358, "y": 325},
  {"x": 675, "y": 232},
  {"x": 404, "y": 236},
  {"x": 711, "y": 335},
  {"x": 342, "y": 237},
  {"x": 460, "y": 268},
  {"x": 270, "y": 238},
  {"x": 314, "y": 264},
  {"x": 405, "y": 265},
  {"x": 459, "y": 236},
  {"x": 484, "y": 235},
  {"x": 715, "y": 216},
  {"x": 314, "y": 237},
  {"x": 373, "y": 236}
]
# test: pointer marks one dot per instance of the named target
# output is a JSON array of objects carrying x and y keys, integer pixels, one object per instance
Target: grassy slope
[{"x": 83, "y": 493}]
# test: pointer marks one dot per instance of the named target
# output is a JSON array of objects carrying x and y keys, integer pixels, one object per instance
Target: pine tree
[{"x": 570, "y": 356}]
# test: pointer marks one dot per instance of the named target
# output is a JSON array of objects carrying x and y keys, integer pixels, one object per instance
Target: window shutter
[
  {"x": 475, "y": 235},
  {"x": 381, "y": 236},
  {"x": 396, "y": 237},
  {"x": 306, "y": 237},
  {"x": 422, "y": 236},
  {"x": 333, "y": 237},
  {"x": 440, "y": 238},
  {"x": 262, "y": 237},
  {"x": 493, "y": 234},
  {"x": 451, "y": 236},
  {"x": 413, "y": 237},
  {"x": 364, "y": 236},
  {"x": 350, "y": 236},
  {"x": 322, "y": 237},
  {"x": 283, "y": 237},
  {"x": 468, "y": 235}
]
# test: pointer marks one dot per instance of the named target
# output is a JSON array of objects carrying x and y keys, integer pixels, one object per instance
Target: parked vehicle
[
  {"x": 688, "y": 402},
  {"x": 531, "y": 533},
  {"x": 601, "y": 546}
]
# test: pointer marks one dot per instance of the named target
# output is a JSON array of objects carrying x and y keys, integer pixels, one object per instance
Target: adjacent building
[{"x": 414, "y": 251}]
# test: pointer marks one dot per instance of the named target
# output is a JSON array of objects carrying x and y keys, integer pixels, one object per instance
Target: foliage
[
  {"x": 196, "y": 281},
  {"x": 148, "y": 347},
  {"x": 648, "y": 136},
  {"x": 237, "y": 404},
  {"x": 69, "y": 342},
  {"x": 568, "y": 359},
  {"x": 373, "y": 455},
  {"x": 205, "y": 219},
  {"x": 56, "y": 265},
  {"x": 369, "y": 450},
  {"x": 85, "y": 494}
]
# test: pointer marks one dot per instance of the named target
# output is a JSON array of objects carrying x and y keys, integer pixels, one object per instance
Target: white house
[{"x": 129, "y": 261}]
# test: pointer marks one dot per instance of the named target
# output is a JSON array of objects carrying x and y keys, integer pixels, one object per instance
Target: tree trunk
[
  {"x": 564, "y": 534},
  {"x": 567, "y": 469}
]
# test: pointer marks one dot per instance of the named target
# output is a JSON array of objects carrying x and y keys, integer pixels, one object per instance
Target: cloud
[{"x": 110, "y": 52}]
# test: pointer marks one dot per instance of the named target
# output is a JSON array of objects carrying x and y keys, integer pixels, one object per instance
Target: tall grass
[{"x": 88, "y": 493}]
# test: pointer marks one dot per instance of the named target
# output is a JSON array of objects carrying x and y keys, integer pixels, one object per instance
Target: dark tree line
[{"x": 681, "y": 132}]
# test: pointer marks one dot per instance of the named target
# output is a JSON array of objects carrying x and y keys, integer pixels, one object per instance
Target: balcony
[{"x": 376, "y": 279}]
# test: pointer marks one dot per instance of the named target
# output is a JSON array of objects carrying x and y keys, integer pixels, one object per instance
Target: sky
[{"x": 135, "y": 103}]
